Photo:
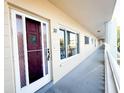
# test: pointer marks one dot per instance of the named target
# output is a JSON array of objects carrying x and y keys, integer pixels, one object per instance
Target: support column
[{"x": 111, "y": 37}]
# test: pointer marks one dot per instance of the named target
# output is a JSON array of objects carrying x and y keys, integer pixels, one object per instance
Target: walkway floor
[{"x": 88, "y": 77}]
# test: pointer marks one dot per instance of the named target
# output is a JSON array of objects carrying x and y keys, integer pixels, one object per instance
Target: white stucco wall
[
  {"x": 9, "y": 86},
  {"x": 56, "y": 16}
]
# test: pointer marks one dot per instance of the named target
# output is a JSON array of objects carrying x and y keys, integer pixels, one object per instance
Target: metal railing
[{"x": 111, "y": 72}]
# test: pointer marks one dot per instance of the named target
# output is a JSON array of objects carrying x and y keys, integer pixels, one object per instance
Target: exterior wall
[
  {"x": 8, "y": 57},
  {"x": 57, "y": 17}
]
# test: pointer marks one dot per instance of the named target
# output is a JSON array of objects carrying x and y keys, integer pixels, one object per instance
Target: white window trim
[{"x": 66, "y": 44}]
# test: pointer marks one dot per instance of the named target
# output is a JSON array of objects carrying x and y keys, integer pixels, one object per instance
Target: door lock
[{"x": 48, "y": 54}]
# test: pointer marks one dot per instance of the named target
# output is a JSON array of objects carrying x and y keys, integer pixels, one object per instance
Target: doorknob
[{"x": 48, "y": 54}]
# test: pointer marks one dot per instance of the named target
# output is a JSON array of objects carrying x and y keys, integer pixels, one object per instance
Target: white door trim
[{"x": 29, "y": 88}]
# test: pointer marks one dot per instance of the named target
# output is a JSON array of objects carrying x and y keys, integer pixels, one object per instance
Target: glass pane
[
  {"x": 78, "y": 47},
  {"x": 45, "y": 48},
  {"x": 35, "y": 65},
  {"x": 62, "y": 44},
  {"x": 21, "y": 50},
  {"x": 33, "y": 34},
  {"x": 34, "y": 47},
  {"x": 92, "y": 40},
  {"x": 72, "y": 43},
  {"x": 95, "y": 42},
  {"x": 86, "y": 40}
]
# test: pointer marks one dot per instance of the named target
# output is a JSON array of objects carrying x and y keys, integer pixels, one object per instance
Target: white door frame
[{"x": 29, "y": 88}]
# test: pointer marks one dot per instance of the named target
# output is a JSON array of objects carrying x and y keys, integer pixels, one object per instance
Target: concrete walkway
[{"x": 88, "y": 77}]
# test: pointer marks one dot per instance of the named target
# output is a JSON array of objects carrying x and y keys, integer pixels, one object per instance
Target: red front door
[{"x": 34, "y": 49}]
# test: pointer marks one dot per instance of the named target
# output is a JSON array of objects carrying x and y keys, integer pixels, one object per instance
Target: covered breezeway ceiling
[{"x": 92, "y": 14}]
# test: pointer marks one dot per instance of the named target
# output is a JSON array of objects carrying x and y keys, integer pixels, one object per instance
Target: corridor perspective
[
  {"x": 88, "y": 77},
  {"x": 61, "y": 46}
]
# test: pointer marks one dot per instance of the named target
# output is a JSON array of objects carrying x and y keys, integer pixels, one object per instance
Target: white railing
[{"x": 112, "y": 76}]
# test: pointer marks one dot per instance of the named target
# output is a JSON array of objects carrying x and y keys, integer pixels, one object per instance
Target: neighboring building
[{"x": 43, "y": 44}]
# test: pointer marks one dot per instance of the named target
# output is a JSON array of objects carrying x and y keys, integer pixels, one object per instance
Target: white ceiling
[{"x": 92, "y": 14}]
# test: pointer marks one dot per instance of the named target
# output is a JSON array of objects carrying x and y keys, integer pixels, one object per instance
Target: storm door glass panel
[
  {"x": 19, "y": 25},
  {"x": 45, "y": 47},
  {"x": 62, "y": 44},
  {"x": 34, "y": 49},
  {"x": 72, "y": 43}
]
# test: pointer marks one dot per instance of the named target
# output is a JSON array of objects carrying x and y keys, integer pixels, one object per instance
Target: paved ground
[{"x": 88, "y": 77}]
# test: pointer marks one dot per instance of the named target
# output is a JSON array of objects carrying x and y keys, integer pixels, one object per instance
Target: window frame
[
  {"x": 66, "y": 42},
  {"x": 65, "y": 45}
]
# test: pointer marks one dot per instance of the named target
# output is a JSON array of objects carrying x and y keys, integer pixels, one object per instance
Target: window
[
  {"x": 69, "y": 43},
  {"x": 72, "y": 43},
  {"x": 78, "y": 44},
  {"x": 95, "y": 42},
  {"x": 62, "y": 44},
  {"x": 86, "y": 40},
  {"x": 92, "y": 40}
]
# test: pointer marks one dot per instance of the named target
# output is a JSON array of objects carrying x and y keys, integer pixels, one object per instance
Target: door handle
[{"x": 48, "y": 54}]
